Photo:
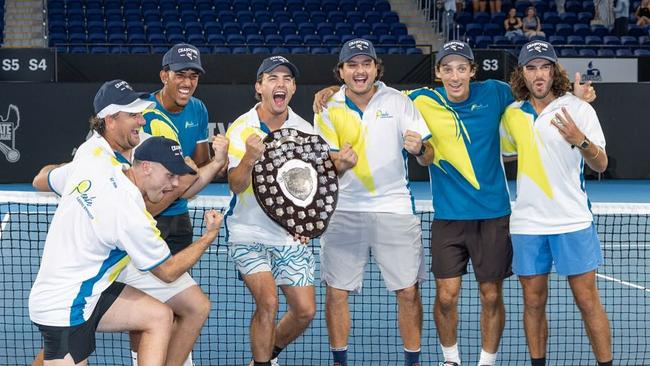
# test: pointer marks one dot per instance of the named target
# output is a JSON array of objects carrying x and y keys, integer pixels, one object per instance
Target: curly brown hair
[{"x": 561, "y": 83}]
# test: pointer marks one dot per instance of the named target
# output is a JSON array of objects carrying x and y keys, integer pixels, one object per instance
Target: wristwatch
[
  {"x": 584, "y": 144},
  {"x": 421, "y": 152}
]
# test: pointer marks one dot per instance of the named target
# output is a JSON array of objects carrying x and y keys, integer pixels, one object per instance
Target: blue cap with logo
[
  {"x": 183, "y": 56},
  {"x": 356, "y": 47},
  {"x": 454, "y": 48},
  {"x": 536, "y": 49},
  {"x": 164, "y": 151},
  {"x": 270, "y": 63},
  {"x": 118, "y": 96}
]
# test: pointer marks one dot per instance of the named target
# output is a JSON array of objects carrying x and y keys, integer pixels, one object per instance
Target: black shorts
[
  {"x": 79, "y": 340},
  {"x": 486, "y": 242},
  {"x": 176, "y": 231}
]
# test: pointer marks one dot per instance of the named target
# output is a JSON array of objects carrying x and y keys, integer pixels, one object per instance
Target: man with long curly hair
[{"x": 554, "y": 134}]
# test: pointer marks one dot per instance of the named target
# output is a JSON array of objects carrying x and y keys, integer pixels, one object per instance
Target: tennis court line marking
[
  {"x": 629, "y": 284},
  {"x": 5, "y": 221}
]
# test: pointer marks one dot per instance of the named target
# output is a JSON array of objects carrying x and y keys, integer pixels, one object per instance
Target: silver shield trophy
[{"x": 295, "y": 182}]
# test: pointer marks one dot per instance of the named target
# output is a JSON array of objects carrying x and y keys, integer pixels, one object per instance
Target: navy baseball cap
[
  {"x": 356, "y": 47},
  {"x": 183, "y": 56},
  {"x": 118, "y": 96},
  {"x": 454, "y": 48},
  {"x": 164, "y": 151},
  {"x": 537, "y": 49},
  {"x": 270, "y": 63}
]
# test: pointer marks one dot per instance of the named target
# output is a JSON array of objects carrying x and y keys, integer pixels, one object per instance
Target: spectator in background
[
  {"x": 532, "y": 25},
  {"x": 643, "y": 14},
  {"x": 446, "y": 14},
  {"x": 621, "y": 16},
  {"x": 603, "y": 13},
  {"x": 513, "y": 24},
  {"x": 481, "y": 5},
  {"x": 559, "y": 5}
]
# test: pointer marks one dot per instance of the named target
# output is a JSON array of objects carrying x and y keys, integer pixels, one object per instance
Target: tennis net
[{"x": 622, "y": 280}]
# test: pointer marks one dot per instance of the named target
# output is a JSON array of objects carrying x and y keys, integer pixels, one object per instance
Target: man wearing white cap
[{"x": 553, "y": 134}]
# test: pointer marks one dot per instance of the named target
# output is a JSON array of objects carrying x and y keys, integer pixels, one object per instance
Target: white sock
[
  {"x": 134, "y": 358},
  {"x": 451, "y": 353},
  {"x": 188, "y": 362},
  {"x": 487, "y": 358}
]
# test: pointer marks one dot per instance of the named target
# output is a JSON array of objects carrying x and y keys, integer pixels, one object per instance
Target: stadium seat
[
  {"x": 299, "y": 50},
  {"x": 281, "y": 16},
  {"x": 318, "y": 17},
  {"x": 398, "y": 29},
  {"x": 273, "y": 40},
  {"x": 380, "y": 29},
  {"x": 624, "y": 52},
  {"x": 413, "y": 51},
  {"x": 332, "y": 40},
  {"x": 581, "y": 30},
  {"x": 573, "y": 6},
  {"x": 473, "y": 29},
  {"x": 599, "y": 30},
  {"x": 629, "y": 41},
  {"x": 235, "y": 39},
  {"x": 221, "y": 50},
  {"x": 329, "y": 5},
  {"x": 354, "y": 17},
  {"x": 491, "y": 29},
  {"x": 319, "y": 51},
  {"x": 311, "y": 5},
  {"x": 287, "y": 28},
  {"x": 587, "y": 52},
  {"x": 245, "y": 16},
  {"x": 406, "y": 40},
  {"x": 644, "y": 40},
  {"x": 343, "y": 28},
  {"x": 365, "y": 5},
  {"x": 500, "y": 40},
  {"x": 569, "y": 18},
  {"x": 481, "y": 18},
  {"x": 347, "y": 5},
  {"x": 275, "y": 5},
  {"x": 575, "y": 40},
  {"x": 280, "y": 50},
  {"x": 611, "y": 40},
  {"x": 548, "y": 29},
  {"x": 372, "y": 17},
  {"x": 593, "y": 40},
  {"x": 388, "y": 39},
  {"x": 261, "y": 50},
  {"x": 642, "y": 52},
  {"x": 306, "y": 28},
  {"x": 292, "y": 40},
  {"x": 361, "y": 29},
  {"x": 550, "y": 17},
  {"x": 585, "y": 17},
  {"x": 311, "y": 40},
  {"x": 563, "y": 29},
  {"x": 382, "y": 5},
  {"x": 336, "y": 16},
  {"x": 636, "y": 31},
  {"x": 257, "y": 5},
  {"x": 292, "y": 6},
  {"x": 263, "y": 16},
  {"x": 606, "y": 52},
  {"x": 268, "y": 28},
  {"x": 324, "y": 29},
  {"x": 464, "y": 17},
  {"x": 254, "y": 40},
  {"x": 482, "y": 41},
  {"x": 568, "y": 52},
  {"x": 389, "y": 17},
  {"x": 498, "y": 18}
]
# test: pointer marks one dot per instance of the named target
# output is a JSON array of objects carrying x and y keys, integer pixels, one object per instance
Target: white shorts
[
  {"x": 394, "y": 240},
  {"x": 153, "y": 286}
]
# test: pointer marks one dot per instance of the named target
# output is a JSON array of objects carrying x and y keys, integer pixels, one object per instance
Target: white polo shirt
[
  {"x": 379, "y": 181},
  {"x": 551, "y": 196},
  {"x": 246, "y": 222},
  {"x": 100, "y": 222}
]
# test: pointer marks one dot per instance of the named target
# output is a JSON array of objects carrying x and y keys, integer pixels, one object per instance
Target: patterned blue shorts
[{"x": 291, "y": 265}]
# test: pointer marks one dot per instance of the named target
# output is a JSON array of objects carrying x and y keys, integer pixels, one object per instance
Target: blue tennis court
[{"x": 622, "y": 211}]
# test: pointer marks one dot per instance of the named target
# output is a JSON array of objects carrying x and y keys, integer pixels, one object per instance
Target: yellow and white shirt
[
  {"x": 100, "y": 224},
  {"x": 551, "y": 196},
  {"x": 379, "y": 181},
  {"x": 246, "y": 222}
]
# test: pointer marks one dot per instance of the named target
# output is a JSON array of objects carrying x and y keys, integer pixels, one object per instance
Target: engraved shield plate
[{"x": 295, "y": 182}]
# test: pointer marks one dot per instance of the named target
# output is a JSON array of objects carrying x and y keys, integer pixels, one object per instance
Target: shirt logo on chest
[
  {"x": 382, "y": 114},
  {"x": 476, "y": 107},
  {"x": 190, "y": 124}
]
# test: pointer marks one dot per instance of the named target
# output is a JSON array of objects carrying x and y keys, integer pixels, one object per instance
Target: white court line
[
  {"x": 5, "y": 221},
  {"x": 624, "y": 283}
]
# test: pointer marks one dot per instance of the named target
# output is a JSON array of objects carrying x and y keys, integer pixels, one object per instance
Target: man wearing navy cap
[
  {"x": 368, "y": 126},
  {"x": 553, "y": 134},
  {"x": 264, "y": 253},
  {"x": 469, "y": 193},
  {"x": 179, "y": 116},
  {"x": 75, "y": 292},
  {"x": 116, "y": 124}
]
